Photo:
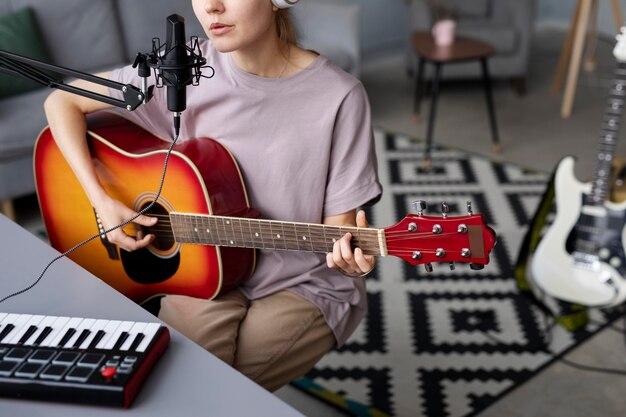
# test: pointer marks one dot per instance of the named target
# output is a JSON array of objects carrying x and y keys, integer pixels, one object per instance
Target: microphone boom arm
[{"x": 18, "y": 65}]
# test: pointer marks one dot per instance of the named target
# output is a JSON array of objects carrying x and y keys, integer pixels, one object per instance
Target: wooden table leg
[
  {"x": 419, "y": 87},
  {"x": 574, "y": 66},
  {"x": 589, "y": 62},
  {"x": 431, "y": 117},
  {"x": 497, "y": 148}
]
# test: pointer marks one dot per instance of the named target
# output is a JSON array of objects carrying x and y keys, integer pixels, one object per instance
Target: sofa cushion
[
  {"x": 22, "y": 118},
  {"x": 468, "y": 8},
  {"x": 503, "y": 38},
  {"x": 142, "y": 20},
  {"x": 19, "y": 34},
  {"x": 79, "y": 34}
]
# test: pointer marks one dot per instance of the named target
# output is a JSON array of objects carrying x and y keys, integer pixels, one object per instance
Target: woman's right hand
[{"x": 112, "y": 212}]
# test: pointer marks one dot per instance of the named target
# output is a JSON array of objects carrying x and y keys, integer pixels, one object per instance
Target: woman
[{"x": 299, "y": 128}]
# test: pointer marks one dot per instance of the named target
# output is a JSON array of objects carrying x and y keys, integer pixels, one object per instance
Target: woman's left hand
[{"x": 344, "y": 259}]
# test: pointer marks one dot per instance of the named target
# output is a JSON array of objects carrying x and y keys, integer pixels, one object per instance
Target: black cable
[
  {"x": 84, "y": 242},
  {"x": 547, "y": 336}
]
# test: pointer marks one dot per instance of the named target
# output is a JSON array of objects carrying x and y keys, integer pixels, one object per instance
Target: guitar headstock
[
  {"x": 619, "y": 51},
  {"x": 420, "y": 239}
]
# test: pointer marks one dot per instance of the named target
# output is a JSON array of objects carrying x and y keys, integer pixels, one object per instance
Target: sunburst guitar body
[{"x": 202, "y": 177}]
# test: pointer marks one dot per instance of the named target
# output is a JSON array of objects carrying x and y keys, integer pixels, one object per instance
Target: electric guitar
[
  {"x": 581, "y": 257},
  {"x": 207, "y": 233}
]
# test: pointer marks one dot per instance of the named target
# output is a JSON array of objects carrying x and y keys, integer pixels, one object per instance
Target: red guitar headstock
[{"x": 420, "y": 239}]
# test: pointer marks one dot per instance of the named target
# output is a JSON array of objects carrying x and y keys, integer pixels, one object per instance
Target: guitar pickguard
[{"x": 602, "y": 234}]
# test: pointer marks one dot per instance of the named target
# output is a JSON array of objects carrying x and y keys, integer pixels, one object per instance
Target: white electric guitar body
[{"x": 581, "y": 258}]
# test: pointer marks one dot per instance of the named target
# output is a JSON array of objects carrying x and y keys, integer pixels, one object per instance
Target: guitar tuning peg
[
  {"x": 428, "y": 267},
  {"x": 476, "y": 267},
  {"x": 420, "y": 207},
  {"x": 445, "y": 209},
  {"x": 452, "y": 266},
  {"x": 469, "y": 208}
]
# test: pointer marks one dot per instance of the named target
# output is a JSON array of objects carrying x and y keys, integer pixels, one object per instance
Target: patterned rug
[{"x": 446, "y": 343}]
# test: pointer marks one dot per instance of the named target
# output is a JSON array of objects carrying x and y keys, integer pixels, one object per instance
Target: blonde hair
[{"x": 284, "y": 27}]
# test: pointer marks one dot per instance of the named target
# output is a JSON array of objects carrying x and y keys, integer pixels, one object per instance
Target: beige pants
[{"x": 272, "y": 340}]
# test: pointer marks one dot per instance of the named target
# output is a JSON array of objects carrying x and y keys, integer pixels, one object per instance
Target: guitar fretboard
[
  {"x": 609, "y": 136},
  {"x": 270, "y": 234}
]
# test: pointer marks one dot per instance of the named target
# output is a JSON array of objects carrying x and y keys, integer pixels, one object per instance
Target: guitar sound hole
[{"x": 164, "y": 238}]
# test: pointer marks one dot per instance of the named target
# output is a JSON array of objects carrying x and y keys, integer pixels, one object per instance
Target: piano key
[
  {"x": 149, "y": 333},
  {"x": 21, "y": 331},
  {"x": 83, "y": 335},
  {"x": 136, "y": 342},
  {"x": 42, "y": 336},
  {"x": 2, "y": 316},
  {"x": 98, "y": 325},
  {"x": 17, "y": 323},
  {"x": 84, "y": 325},
  {"x": 6, "y": 329},
  {"x": 134, "y": 332},
  {"x": 70, "y": 324},
  {"x": 112, "y": 341},
  {"x": 43, "y": 324},
  {"x": 57, "y": 326},
  {"x": 109, "y": 329}
]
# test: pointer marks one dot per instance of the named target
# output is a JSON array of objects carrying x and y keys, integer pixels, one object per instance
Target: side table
[{"x": 463, "y": 49}]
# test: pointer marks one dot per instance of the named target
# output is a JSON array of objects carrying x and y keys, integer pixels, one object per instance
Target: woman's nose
[{"x": 213, "y": 6}]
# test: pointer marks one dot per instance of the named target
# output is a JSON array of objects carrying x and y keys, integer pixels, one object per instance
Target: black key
[
  {"x": 44, "y": 333},
  {"x": 68, "y": 335},
  {"x": 29, "y": 370},
  {"x": 96, "y": 339},
  {"x": 81, "y": 338},
  {"x": 54, "y": 372},
  {"x": 32, "y": 329},
  {"x": 136, "y": 342},
  {"x": 42, "y": 356},
  {"x": 7, "y": 329},
  {"x": 120, "y": 340}
]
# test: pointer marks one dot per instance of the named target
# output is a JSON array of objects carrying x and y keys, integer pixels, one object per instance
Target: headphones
[{"x": 284, "y": 4}]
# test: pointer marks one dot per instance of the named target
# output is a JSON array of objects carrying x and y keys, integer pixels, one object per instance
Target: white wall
[{"x": 560, "y": 12}]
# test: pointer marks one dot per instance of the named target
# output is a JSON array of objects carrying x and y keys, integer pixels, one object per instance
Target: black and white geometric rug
[{"x": 446, "y": 343}]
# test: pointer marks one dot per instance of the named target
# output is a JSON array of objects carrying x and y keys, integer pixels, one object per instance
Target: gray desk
[{"x": 186, "y": 381}]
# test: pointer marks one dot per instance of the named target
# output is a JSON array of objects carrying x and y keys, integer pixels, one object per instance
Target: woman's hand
[
  {"x": 112, "y": 212},
  {"x": 351, "y": 263}
]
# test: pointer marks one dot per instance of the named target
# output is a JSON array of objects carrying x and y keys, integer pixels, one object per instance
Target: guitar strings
[{"x": 96, "y": 236}]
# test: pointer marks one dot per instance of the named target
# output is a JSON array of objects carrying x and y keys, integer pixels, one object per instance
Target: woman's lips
[{"x": 219, "y": 28}]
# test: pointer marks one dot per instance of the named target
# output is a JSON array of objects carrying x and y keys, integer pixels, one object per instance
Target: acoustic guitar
[{"x": 207, "y": 232}]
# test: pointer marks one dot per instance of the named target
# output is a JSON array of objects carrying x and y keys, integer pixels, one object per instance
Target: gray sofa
[{"x": 93, "y": 36}]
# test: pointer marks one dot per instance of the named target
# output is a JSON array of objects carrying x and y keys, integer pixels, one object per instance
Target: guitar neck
[
  {"x": 609, "y": 136},
  {"x": 271, "y": 234}
]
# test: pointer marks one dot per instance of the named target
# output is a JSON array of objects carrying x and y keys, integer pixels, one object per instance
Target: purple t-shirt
[{"x": 305, "y": 148}]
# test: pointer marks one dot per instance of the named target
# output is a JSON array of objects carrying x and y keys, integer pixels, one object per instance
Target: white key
[
  {"x": 46, "y": 322},
  {"x": 19, "y": 325},
  {"x": 2, "y": 316},
  {"x": 123, "y": 327},
  {"x": 149, "y": 331},
  {"x": 109, "y": 329},
  {"x": 97, "y": 326},
  {"x": 8, "y": 319},
  {"x": 33, "y": 321},
  {"x": 132, "y": 334},
  {"x": 71, "y": 324},
  {"x": 57, "y": 326},
  {"x": 84, "y": 325}
]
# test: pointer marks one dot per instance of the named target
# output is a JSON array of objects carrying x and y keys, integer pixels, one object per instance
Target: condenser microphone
[{"x": 177, "y": 65}]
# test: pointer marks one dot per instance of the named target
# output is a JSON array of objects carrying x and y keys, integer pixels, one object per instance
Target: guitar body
[
  {"x": 202, "y": 177},
  {"x": 592, "y": 279}
]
